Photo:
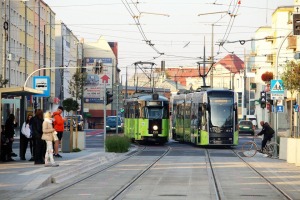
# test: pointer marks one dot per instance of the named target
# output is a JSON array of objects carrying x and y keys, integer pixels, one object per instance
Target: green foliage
[
  {"x": 70, "y": 105},
  {"x": 3, "y": 82},
  {"x": 76, "y": 150},
  {"x": 117, "y": 144},
  {"x": 291, "y": 77},
  {"x": 76, "y": 84}
]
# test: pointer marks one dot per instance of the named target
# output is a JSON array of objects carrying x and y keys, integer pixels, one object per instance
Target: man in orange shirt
[{"x": 58, "y": 124}]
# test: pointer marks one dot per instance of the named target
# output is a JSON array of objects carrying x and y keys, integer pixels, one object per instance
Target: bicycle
[{"x": 249, "y": 149}]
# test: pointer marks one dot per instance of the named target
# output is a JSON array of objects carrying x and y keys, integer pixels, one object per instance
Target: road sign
[
  {"x": 277, "y": 89},
  {"x": 277, "y": 96},
  {"x": 280, "y": 109},
  {"x": 42, "y": 83},
  {"x": 277, "y": 86},
  {"x": 296, "y": 108}
]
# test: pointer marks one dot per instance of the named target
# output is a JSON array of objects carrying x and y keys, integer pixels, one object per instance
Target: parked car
[
  {"x": 111, "y": 123},
  {"x": 246, "y": 126},
  {"x": 80, "y": 122}
]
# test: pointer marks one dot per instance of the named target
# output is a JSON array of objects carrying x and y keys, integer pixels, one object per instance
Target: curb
[
  {"x": 82, "y": 168},
  {"x": 41, "y": 181}
]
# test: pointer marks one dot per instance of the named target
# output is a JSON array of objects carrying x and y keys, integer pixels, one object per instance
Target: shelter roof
[{"x": 20, "y": 91}]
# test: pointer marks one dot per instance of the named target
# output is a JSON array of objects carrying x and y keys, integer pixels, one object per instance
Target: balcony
[
  {"x": 292, "y": 43},
  {"x": 270, "y": 58}
]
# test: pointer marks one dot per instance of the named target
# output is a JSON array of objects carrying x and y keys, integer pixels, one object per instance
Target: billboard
[{"x": 99, "y": 72}]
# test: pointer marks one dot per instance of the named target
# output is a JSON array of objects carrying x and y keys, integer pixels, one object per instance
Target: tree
[
  {"x": 75, "y": 89},
  {"x": 3, "y": 82},
  {"x": 71, "y": 105},
  {"x": 290, "y": 78},
  {"x": 76, "y": 84}
]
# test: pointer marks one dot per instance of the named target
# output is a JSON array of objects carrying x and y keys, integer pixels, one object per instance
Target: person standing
[
  {"x": 48, "y": 136},
  {"x": 10, "y": 126},
  {"x": 5, "y": 155},
  {"x": 27, "y": 137},
  {"x": 37, "y": 131},
  {"x": 58, "y": 122},
  {"x": 268, "y": 133}
]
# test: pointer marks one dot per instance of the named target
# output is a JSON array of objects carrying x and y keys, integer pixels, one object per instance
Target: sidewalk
[{"x": 24, "y": 175}]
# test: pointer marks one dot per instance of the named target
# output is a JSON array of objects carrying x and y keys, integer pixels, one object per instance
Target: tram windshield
[
  {"x": 221, "y": 112},
  {"x": 154, "y": 113}
]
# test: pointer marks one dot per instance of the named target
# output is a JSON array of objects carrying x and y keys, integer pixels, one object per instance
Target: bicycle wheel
[
  {"x": 271, "y": 148},
  {"x": 249, "y": 149}
]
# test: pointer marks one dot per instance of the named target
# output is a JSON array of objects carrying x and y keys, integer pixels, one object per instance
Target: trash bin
[{"x": 65, "y": 142}]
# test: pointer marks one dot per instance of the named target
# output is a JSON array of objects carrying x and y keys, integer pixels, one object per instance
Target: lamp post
[{"x": 276, "y": 65}]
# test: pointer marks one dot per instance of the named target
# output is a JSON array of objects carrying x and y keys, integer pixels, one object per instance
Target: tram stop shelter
[{"x": 17, "y": 92}]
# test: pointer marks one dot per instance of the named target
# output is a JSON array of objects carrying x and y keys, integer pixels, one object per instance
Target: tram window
[
  {"x": 221, "y": 115},
  {"x": 155, "y": 113},
  {"x": 165, "y": 113},
  {"x": 204, "y": 120},
  {"x": 131, "y": 112},
  {"x": 137, "y": 111}
]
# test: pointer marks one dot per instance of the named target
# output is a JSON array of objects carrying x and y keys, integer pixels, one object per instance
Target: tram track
[
  {"x": 119, "y": 192},
  {"x": 65, "y": 187},
  {"x": 140, "y": 170},
  {"x": 213, "y": 176},
  {"x": 218, "y": 186},
  {"x": 265, "y": 178},
  {"x": 138, "y": 176}
]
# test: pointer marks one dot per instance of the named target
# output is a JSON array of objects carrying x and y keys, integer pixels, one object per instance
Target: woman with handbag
[
  {"x": 49, "y": 136},
  {"x": 27, "y": 137}
]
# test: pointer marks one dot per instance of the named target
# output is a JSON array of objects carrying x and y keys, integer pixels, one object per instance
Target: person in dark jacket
[
  {"x": 5, "y": 155},
  {"x": 26, "y": 137},
  {"x": 37, "y": 132},
  {"x": 268, "y": 133},
  {"x": 10, "y": 126}
]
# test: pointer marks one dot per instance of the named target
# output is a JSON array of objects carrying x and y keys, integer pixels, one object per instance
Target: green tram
[
  {"x": 205, "y": 118},
  {"x": 147, "y": 119}
]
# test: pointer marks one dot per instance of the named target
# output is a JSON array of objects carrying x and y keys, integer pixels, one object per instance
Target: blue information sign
[
  {"x": 296, "y": 108},
  {"x": 280, "y": 109},
  {"x": 42, "y": 83}
]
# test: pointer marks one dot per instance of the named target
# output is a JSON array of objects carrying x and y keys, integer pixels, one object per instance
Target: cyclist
[{"x": 268, "y": 133}]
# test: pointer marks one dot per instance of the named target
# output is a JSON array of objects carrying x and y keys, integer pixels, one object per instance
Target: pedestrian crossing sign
[{"x": 277, "y": 86}]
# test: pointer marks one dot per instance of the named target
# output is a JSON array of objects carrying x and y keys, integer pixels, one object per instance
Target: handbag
[
  {"x": 47, "y": 137},
  {"x": 55, "y": 138}
]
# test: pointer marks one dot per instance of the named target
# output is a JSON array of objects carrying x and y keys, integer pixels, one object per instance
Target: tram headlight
[{"x": 155, "y": 127}]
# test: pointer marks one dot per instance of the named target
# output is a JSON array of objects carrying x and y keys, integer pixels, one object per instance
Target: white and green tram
[
  {"x": 146, "y": 118},
  {"x": 206, "y": 117}
]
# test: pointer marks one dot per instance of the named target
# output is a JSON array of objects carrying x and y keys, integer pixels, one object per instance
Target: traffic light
[
  {"x": 263, "y": 99},
  {"x": 296, "y": 24},
  {"x": 109, "y": 97}
]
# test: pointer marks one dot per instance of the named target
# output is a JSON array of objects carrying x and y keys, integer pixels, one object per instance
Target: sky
[{"x": 176, "y": 31}]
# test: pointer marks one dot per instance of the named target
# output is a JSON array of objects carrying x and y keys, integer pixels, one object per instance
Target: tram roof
[{"x": 149, "y": 98}]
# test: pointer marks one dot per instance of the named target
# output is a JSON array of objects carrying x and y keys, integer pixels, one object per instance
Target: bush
[
  {"x": 117, "y": 144},
  {"x": 76, "y": 150}
]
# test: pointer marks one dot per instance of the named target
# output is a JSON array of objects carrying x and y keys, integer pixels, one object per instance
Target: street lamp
[{"x": 276, "y": 65}]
